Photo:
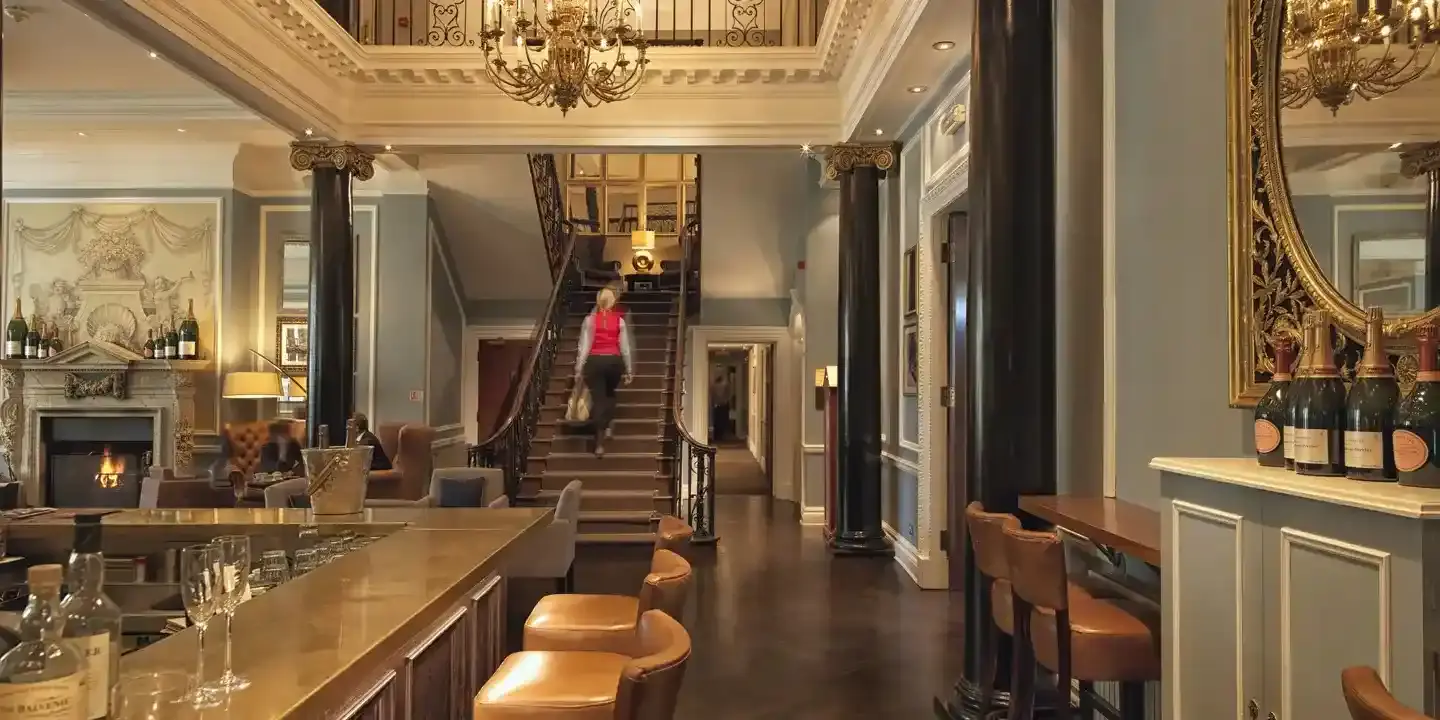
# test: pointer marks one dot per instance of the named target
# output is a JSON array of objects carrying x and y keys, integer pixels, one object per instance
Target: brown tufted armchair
[
  {"x": 412, "y": 457},
  {"x": 246, "y": 438}
]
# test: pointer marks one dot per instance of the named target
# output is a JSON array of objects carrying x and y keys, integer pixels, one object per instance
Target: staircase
[{"x": 626, "y": 491}]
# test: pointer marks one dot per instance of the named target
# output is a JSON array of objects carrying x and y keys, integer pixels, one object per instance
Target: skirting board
[
  {"x": 928, "y": 573},
  {"x": 812, "y": 515}
]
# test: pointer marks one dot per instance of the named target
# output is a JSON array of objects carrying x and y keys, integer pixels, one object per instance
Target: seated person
[
  {"x": 281, "y": 453},
  {"x": 378, "y": 459}
]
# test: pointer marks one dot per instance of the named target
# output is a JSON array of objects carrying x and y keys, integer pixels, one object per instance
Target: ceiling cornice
[
  {"x": 882, "y": 40},
  {"x": 131, "y": 105}
]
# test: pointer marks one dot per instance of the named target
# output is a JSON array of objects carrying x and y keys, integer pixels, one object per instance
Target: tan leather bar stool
[
  {"x": 1368, "y": 699},
  {"x": 606, "y": 623},
  {"x": 987, "y": 538},
  {"x": 593, "y": 685},
  {"x": 1072, "y": 634},
  {"x": 673, "y": 534}
]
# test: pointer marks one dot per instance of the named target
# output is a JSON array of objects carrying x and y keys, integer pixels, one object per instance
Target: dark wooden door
[
  {"x": 958, "y": 416},
  {"x": 498, "y": 365}
]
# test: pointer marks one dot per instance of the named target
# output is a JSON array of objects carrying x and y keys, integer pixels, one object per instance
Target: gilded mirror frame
[{"x": 1274, "y": 279}]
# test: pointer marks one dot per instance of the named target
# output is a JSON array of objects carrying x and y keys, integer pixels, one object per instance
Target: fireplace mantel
[{"x": 96, "y": 378}]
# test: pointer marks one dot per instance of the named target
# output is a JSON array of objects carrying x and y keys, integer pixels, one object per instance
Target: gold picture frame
[
  {"x": 1274, "y": 280},
  {"x": 292, "y": 342}
]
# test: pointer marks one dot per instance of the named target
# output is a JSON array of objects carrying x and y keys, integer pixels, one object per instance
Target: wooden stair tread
[
  {"x": 635, "y": 538},
  {"x": 582, "y": 474},
  {"x": 647, "y": 494},
  {"x": 588, "y": 436}
]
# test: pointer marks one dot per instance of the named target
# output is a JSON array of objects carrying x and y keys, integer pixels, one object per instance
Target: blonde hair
[{"x": 605, "y": 299}]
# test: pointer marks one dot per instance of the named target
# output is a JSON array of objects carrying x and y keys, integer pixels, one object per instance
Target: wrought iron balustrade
[
  {"x": 684, "y": 23},
  {"x": 694, "y": 481}
]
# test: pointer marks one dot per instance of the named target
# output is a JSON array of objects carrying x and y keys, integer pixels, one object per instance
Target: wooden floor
[
  {"x": 737, "y": 472},
  {"x": 783, "y": 631}
]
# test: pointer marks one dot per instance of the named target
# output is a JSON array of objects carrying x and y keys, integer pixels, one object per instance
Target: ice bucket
[{"x": 336, "y": 479}]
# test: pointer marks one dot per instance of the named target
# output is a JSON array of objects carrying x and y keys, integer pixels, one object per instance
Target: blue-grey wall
[
  {"x": 400, "y": 356},
  {"x": 447, "y": 333},
  {"x": 1316, "y": 216}
]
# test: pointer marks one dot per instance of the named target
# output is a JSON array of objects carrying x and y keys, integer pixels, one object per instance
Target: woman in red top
[{"x": 604, "y": 362}]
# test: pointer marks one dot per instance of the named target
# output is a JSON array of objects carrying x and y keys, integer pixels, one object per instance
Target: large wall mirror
[{"x": 1335, "y": 176}]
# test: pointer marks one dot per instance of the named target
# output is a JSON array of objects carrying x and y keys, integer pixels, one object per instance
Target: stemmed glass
[
  {"x": 200, "y": 583},
  {"x": 150, "y": 696},
  {"x": 234, "y": 589}
]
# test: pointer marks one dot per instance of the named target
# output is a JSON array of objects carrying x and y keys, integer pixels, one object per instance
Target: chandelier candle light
[
  {"x": 1349, "y": 53},
  {"x": 589, "y": 51}
]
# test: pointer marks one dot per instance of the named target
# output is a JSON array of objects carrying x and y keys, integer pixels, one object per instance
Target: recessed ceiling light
[
  {"x": 387, "y": 148},
  {"x": 1396, "y": 146},
  {"x": 180, "y": 130},
  {"x": 879, "y": 131},
  {"x": 309, "y": 132},
  {"x": 81, "y": 134},
  {"x": 944, "y": 45},
  {"x": 154, "y": 54},
  {"x": 917, "y": 89}
]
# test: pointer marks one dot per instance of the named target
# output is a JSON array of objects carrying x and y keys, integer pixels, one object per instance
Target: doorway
[
  {"x": 957, "y": 290},
  {"x": 740, "y": 410}
]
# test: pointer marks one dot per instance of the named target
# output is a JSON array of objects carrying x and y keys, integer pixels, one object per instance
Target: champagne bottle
[
  {"x": 32, "y": 339},
  {"x": 1320, "y": 418},
  {"x": 1272, "y": 411},
  {"x": 55, "y": 347},
  {"x": 42, "y": 350},
  {"x": 172, "y": 342},
  {"x": 190, "y": 335},
  {"x": 15, "y": 334},
  {"x": 1370, "y": 408},
  {"x": 1417, "y": 421},
  {"x": 160, "y": 349},
  {"x": 92, "y": 620},
  {"x": 1300, "y": 388},
  {"x": 42, "y": 677},
  {"x": 149, "y": 349}
]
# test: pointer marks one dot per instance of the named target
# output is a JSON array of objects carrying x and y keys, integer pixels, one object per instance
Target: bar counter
[{"x": 409, "y": 626}]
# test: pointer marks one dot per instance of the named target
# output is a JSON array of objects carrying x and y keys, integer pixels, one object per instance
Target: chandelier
[
  {"x": 589, "y": 51},
  {"x": 1349, "y": 53}
]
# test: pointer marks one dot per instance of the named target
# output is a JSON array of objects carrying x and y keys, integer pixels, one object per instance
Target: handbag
[{"x": 578, "y": 408}]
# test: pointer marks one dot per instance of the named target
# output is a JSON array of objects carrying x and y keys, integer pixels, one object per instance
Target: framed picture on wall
[
  {"x": 910, "y": 360},
  {"x": 907, "y": 282},
  {"x": 292, "y": 342}
]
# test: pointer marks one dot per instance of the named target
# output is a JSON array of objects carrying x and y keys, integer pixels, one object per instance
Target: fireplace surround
[{"x": 84, "y": 398}]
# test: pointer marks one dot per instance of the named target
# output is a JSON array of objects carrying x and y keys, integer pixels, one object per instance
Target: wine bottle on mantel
[
  {"x": 149, "y": 350},
  {"x": 172, "y": 342},
  {"x": 32, "y": 339},
  {"x": 1320, "y": 418},
  {"x": 1417, "y": 421},
  {"x": 190, "y": 335},
  {"x": 15, "y": 334},
  {"x": 55, "y": 346},
  {"x": 1300, "y": 388},
  {"x": 1370, "y": 409},
  {"x": 1273, "y": 410}
]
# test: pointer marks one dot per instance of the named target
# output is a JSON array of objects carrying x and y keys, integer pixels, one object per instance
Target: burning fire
[{"x": 112, "y": 469}]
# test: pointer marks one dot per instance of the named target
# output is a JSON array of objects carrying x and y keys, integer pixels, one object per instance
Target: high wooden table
[
  {"x": 409, "y": 626},
  {"x": 1126, "y": 527}
]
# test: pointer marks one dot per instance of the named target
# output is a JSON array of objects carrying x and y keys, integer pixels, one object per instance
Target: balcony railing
[{"x": 684, "y": 23}]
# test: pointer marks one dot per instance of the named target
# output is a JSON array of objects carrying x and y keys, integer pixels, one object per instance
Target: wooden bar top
[
  {"x": 315, "y": 637},
  {"x": 1126, "y": 527}
]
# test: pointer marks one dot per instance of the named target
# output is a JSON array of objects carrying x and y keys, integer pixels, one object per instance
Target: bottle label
[
  {"x": 187, "y": 348},
  {"x": 1289, "y": 442},
  {"x": 14, "y": 349},
  {"x": 1267, "y": 436},
  {"x": 1364, "y": 450},
  {"x": 58, "y": 699},
  {"x": 32, "y": 351},
  {"x": 1312, "y": 446},
  {"x": 1411, "y": 452},
  {"x": 94, "y": 650}
]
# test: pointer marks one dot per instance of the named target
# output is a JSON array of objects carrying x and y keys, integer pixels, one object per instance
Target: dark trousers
[
  {"x": 602, "y": 376},
  {"x": 720, "y": 418}
]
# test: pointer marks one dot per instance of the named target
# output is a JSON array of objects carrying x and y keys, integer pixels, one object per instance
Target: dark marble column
[
  {"x": 1011, "y": 303},
  {"x": 857, "y": 501},
  {"x": 331, "y": 378},
  {"x": 1414, "y": 163}
]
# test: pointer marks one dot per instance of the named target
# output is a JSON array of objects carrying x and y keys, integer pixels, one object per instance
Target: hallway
[
  {"x": 737, "y": 472},
  {"x": 784, "y": 632}
]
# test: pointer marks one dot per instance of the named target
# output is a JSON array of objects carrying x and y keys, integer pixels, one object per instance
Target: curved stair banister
[
  {"x": 694, "y": 461},
  {"x": 508, "y": 447}
]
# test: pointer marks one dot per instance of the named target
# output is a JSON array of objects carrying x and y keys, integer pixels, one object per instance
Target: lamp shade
[
  {"x": 642, "y": 239},
  {"x": 251, "y": 385}
]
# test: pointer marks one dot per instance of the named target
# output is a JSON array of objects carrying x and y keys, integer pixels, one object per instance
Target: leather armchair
[
  {"x": 412, "y": 460},
  {"x": 244, "y": 440},
  {"x": 1368, "y": 699}
]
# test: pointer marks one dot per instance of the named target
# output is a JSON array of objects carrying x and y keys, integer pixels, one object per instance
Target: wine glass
[
  {"x": 150, "y": 696},
  {"x": 234, "y": 589},
  {"x": 200, "y": 583}
]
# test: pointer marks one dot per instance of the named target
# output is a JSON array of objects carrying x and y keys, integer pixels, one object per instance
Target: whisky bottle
[
  {"x": 1319, "y": 418},
  {"x": 190, "y": 335},
  {"x": 92, "y": 620},
  {"x": 42, "y": 677},
  {"x": 32, "y": 339},
  {"x": 1273, "y": 409},
  {"x": 1417, "y": 421},
  {"x": 149, "y": 349},
  {"x": 15, "y": 334},
  {"x": 172, "y": 342},
  {"x": 1370, "y": 408},
  {"x": 1300, "y": 388}
]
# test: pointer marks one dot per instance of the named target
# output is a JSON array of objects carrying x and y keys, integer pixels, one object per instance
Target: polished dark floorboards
[{"x": 783, "y": 631}]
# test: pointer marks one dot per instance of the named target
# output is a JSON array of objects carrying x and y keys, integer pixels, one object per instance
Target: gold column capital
[
  {"x": 844, "y": 157},
  {"x": 1420, "y": 161},
  {"x": 306, "y": 155}
]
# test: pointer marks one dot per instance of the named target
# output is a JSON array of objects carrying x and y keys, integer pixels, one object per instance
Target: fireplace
[{"x": 95, "y": 461}]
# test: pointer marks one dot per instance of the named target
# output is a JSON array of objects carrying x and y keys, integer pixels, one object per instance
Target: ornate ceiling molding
[
  {"x": 884, "y": 37},
  {"x": 168, "y": 107}
]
